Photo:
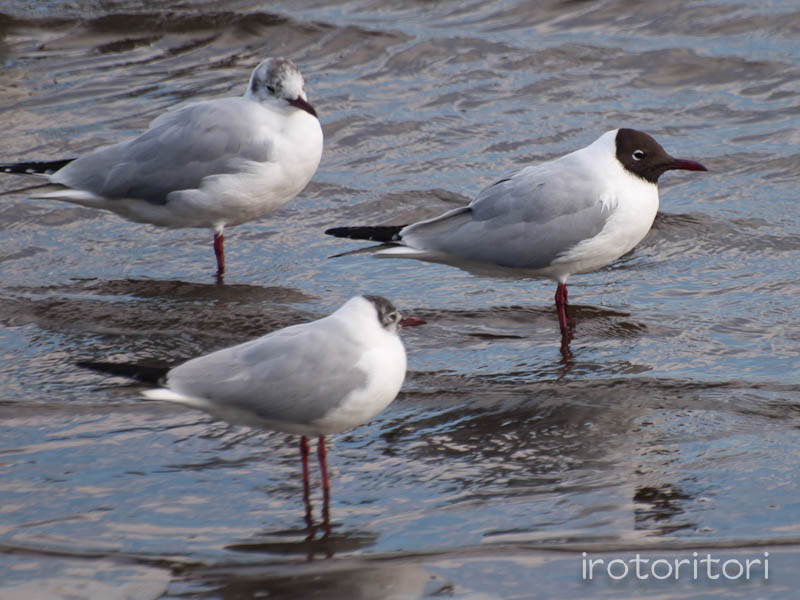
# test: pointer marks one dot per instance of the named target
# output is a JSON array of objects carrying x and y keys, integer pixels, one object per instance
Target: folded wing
[
  {"x": 525, "y": 220},
  {"x": 181, "y": 148},
  {"x": 295, "y": 375}
]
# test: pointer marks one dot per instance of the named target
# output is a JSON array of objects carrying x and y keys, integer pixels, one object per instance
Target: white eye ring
[{"x": 638, "y": 154}]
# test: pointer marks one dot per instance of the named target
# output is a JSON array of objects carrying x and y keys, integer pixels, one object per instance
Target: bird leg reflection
[{"x": 567, "y": 358}]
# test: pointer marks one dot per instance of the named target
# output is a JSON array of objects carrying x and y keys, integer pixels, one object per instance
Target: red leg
[
  {"x": 561, "y": 307},
  {"x": 219, "y": 252},
  {"x": 306, "y": 490},
  {"x": 322, "y": 454}
]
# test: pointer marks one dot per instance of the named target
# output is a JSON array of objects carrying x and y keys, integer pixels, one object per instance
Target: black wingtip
[
  {"x": 35, "y": 167},
  {"x": 378, "y": 233},
  {"x": 143, "y": 373}
]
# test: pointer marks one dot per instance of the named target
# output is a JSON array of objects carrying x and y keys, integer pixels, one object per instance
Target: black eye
[
  {"x": 270, "y": 89},
  {"x": 638, "y": 154}
]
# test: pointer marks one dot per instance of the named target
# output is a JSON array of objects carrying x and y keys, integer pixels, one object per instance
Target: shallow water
[{"x": 670, "y": 430}]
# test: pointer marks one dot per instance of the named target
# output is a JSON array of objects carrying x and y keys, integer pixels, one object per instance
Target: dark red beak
[
  {"x": 410, "y": 322},
  {"x": 303, "y": 105},
  {"x": 686, "y": 165}
]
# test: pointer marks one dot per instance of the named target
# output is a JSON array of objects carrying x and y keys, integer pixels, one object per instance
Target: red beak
[
  {"x": 410, "y": 322},
  {"x": 686, "y": 165},
  {"x": 303, "y": 105}
]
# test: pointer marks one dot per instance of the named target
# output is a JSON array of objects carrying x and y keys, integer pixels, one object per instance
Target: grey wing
[
  {"x": 525, "y": 220},
  {"x": 180, "y": 149},
  {"x": 295, "y": 375}
]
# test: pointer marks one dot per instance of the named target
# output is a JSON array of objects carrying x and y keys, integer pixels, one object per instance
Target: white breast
[
  {"x": 633, "y": 204},
  {"x": 385, "y": 364}
]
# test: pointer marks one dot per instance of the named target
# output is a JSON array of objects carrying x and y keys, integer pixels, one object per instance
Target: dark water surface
[{"x": 672, "y": 432}]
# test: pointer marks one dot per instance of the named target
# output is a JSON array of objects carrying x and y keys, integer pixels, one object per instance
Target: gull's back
[
  {"x": 179, "y": 150},
  {"x": 525, "y": 220},
  {"x": 320, "y": 377}
]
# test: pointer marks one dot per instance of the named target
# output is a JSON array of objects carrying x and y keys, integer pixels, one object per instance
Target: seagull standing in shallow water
[
  {"x": 316, "y": 378},
  {"x": 207, "y": 164},
  {"x": 574, "y": 214}
]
